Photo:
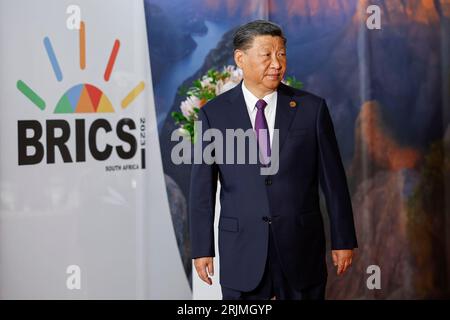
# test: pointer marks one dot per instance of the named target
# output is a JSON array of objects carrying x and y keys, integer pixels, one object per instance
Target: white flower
[
  {"x": 188, "y": 105},
  {"x": 219, "y": 86},
  {"x": 222, "y": 87},
  {"x": 234, "y": 72},
  {"x": 183, "y": 132},
  {"x": 206, "y": 82},
  {"x": 236, "y": 75}
]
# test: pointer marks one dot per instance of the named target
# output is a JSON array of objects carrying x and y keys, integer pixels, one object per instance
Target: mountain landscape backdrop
[{"x": 388, "y": 94}]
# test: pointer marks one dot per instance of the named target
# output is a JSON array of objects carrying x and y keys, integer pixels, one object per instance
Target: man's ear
[{"x": 238, "y": 56}]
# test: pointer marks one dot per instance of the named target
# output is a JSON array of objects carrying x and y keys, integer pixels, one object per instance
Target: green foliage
[{"x": 293, "y": 82}]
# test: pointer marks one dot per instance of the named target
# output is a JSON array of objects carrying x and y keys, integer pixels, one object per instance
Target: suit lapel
[
  {"x": 284, "y": 113},
  {"x": 239, "y": 115},
  {"x": 241, "y": 119}
]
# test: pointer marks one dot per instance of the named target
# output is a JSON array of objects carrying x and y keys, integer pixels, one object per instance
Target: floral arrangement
[{"x": 206, "y": 88}]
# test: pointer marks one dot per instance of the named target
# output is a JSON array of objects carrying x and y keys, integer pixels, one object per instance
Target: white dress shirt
[{"x": 269, "y": 110}]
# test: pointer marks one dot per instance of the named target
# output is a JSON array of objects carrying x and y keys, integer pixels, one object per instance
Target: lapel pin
[{"x": 292, "y": 104}]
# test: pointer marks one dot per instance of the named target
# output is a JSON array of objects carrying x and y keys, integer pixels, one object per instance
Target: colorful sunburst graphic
[{"x": 84, "y": 97}]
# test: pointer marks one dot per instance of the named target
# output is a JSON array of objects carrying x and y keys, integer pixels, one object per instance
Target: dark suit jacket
[{"x": 288, "y": 200}]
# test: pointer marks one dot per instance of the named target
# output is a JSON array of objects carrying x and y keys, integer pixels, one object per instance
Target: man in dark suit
[{"x": 271, "y": 232}]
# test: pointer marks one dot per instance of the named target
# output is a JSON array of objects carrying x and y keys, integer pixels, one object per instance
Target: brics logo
[{"x": 82, "y": 98}]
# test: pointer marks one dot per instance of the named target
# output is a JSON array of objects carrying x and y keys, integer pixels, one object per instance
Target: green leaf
[
  {"x": 197, "y": 84},
  {"x": 293, "y": 82},
  {"x": 178, "y": 117}
]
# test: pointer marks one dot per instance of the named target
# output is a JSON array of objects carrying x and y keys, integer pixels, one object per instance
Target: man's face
[{"x": 263, "y": 64}]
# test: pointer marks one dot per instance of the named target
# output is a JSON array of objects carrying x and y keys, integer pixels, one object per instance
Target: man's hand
[
  {"x": 342, "y": 259},
  {"x": 205, "y": 268}
]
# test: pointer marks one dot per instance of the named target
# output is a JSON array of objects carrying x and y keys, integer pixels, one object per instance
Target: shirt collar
[{"x": 251, "y": 99}]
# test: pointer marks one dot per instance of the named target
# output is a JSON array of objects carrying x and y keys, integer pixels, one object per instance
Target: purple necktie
[{"x": 262, "y": 132}]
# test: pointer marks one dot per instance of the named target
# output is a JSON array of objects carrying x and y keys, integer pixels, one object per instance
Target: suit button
[{"x": 268, "y": 181}]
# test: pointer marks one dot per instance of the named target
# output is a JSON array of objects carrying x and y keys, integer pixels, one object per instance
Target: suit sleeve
[
  {"x": 202, "y": 198},
  {"x": 334, "y": 184}
]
